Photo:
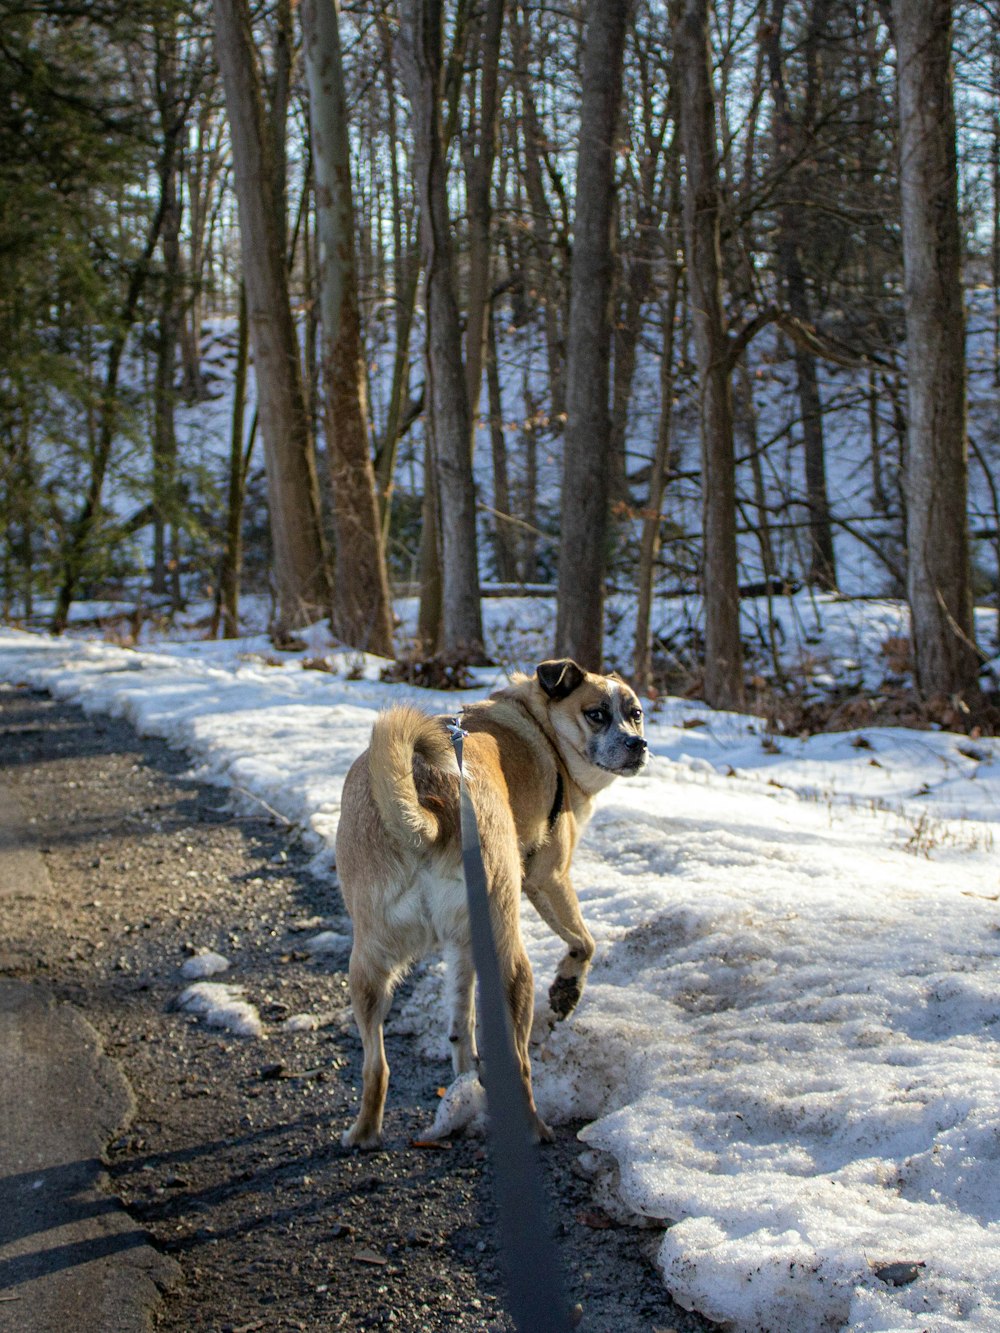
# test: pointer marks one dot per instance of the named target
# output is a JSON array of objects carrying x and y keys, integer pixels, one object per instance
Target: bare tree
[
  {"x": 939, "y": 584},
  {"x": 639, "y": 245},
  {"x": 405, "y": 282},
  {"x": 479, "y": 154},
  {"x": 202, "y": 170},
  {"x": 300, "y": 566},
  {"x": 822, "y": 563},
  {"x": 587, "y": 448},
  {"x": 723, "y": 653},
  {"x": 448, "y": 399},
  {"x": 362, "y": 614},
  {"x": 165, "y": 507},
  {"x": 547, "y": 250},
  {"x": 664, "y": 459}
]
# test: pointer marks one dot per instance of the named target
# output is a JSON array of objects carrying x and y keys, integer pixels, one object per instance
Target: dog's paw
[
  {"x": 564, "y": 995},
  {"x": 541, "y": 1132},
  {"x": 360, "y": 1137}
]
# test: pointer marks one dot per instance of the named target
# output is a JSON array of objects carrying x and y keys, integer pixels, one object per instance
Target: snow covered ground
[{"x": 790, "y": 1042}]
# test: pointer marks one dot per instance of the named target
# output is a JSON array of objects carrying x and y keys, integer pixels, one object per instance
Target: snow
[
  {"x": 328, "y": 941},
  {"x": 462, "y": 1109},
  {"x": 300, "y": 1023},
  {"x": 788, "y": 1045},
  {"x": 205, "y": 963},
  {"x": 221, "y": 1005}
]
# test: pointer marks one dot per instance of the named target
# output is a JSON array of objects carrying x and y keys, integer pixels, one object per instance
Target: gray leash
[{"x": 535, "y": 1285}]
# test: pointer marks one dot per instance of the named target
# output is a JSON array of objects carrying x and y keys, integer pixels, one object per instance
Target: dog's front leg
[{"x": 555, "y": 901}]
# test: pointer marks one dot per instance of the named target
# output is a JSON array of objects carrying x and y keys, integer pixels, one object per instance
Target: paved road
[{"x": 71, "y": 1258}]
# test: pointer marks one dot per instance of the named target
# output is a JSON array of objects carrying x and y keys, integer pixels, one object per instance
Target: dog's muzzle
[
  {"x": 636, "y": 753},
  {"x": 638, "y": 749}
]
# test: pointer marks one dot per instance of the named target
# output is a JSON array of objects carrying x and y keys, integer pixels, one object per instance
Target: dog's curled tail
[{"x": 399, "y": 735}]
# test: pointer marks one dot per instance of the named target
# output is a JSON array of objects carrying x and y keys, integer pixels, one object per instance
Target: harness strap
[
  {"x": 537, "y": 1298},
  {"x": 557, "y": 804}
]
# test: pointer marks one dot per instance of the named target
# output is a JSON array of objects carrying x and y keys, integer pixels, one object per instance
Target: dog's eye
[
  {"x": 636, "y": 715},
  {"x": 597, "y": 715}
]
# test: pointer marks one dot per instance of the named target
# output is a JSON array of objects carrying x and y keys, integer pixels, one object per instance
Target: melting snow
[
  {"x": 222, "y": 1005},
  {"x": 205, "y": 963}
]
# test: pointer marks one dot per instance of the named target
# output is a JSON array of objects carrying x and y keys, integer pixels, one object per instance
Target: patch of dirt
[{"x": 233, "y": 1159}]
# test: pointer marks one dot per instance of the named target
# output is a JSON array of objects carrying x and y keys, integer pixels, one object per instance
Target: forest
[{"x": 332, "y": 302}]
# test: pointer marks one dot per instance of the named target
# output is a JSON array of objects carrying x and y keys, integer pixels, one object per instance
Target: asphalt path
[{"x": 71, "y": 1257}]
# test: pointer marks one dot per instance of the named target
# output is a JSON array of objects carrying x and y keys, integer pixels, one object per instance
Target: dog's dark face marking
[{"x": 600, "y": 716}]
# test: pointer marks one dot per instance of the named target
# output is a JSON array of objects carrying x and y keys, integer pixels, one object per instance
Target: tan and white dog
[{"x": 536, "y": 755}]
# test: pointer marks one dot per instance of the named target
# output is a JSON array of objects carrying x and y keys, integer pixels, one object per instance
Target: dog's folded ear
[{"x": 560, "y": 678}]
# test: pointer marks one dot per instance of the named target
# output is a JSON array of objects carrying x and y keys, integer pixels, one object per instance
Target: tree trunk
[
  {"x": 479, "y": 175},
  {"x": 227, "y": 600},
  {"x": 880, "y": 500},
  {"x": 587, "y": 446},
  {"x": 19, "y": 513},
  {"x": 939, "y": 584},
  {"x": 406, "y": 268},
  {"x": 822, "y": 564},
  {"x": 529, "y": 497},
  {"x": 280, "y": 92},
  {"x": 448, "y": 399},
  {"x": 545, "y": 251},
  {"x": 638, "y": 256},
  {"x": 723, "y": 652},
  {"x": 203, "y": 167},
  {"x": 503, "y": 541},
  {"x": 166, "y": 500},
  {"x": 429, "y": 614},
  {"x": 745, "y": 420},
  {"x": 406, "y": 282},
  {"x": 649, "y": 547},
  {"x": 301, "y": 577},
  {"x": 362, "y": 613}
]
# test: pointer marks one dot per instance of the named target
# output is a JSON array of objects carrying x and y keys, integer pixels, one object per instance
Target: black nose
[{"x": 635, "y": 743}]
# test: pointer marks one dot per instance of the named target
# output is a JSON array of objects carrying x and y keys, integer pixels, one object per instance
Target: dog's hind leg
[
  {"x": 504, "y": 874},
  {"x": 520, "y": 987},
  {"x": 462, "y": 1007},
  {"x": 371, "y": 996}
]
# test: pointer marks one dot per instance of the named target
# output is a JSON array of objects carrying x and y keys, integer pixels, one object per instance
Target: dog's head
[{"x": 597, "y": 720}]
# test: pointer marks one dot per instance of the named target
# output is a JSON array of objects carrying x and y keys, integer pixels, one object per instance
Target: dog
[{"x": 536, "y": 755}]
